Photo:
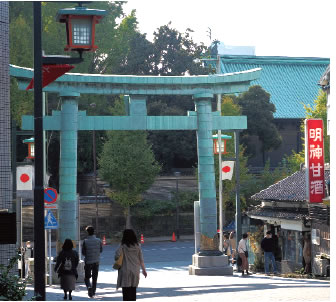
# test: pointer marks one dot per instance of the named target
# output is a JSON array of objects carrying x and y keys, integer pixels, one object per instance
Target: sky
[{"x": 294, "y": 28}]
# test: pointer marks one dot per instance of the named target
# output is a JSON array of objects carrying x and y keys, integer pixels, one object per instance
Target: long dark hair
[
  {"x": 68, "y": 245},
  {"x": 129, "y": 238}
]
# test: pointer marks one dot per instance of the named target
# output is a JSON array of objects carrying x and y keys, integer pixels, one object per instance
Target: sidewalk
[
  {"x": 175, "y": 284},
  {"x": 147, "y": 239}
]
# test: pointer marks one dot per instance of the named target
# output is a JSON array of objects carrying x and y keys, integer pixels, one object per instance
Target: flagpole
[{"x": 220, "y": 189}]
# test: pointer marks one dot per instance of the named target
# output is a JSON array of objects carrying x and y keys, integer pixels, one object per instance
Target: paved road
[
  {"x": 156, "y": 254},
  {"x": 168, "y": 279}
]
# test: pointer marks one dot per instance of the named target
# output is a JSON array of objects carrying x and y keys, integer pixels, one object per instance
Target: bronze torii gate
[{"x": 69, "y": 120}]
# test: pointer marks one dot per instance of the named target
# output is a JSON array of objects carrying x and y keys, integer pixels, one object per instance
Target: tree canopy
[
  {"x": 318, "y": 110},
  {"x": 127, "y": 163},
  {"x": 256, "y": 105}
]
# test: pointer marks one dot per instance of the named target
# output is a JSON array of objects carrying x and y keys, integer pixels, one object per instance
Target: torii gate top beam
[{"x": 143, "y": 85}]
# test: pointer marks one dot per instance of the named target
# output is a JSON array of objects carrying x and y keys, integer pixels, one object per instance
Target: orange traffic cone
[
  {"x": 142, "y": 239},
  {"x": 173, "y": 237},
  {"x": 104, "y": 240}
]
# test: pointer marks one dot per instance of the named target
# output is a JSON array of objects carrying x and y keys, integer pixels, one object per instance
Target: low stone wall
[
  {"x": 288, "y": 266},
  {"x": 112, "y": 222}
]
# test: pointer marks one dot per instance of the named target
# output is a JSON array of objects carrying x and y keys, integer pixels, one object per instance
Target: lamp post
[
  {"x": 80, "y": 37},
  {"x": 93, "y": 105},
  {"x": 177, "y": 175},
  {"x": 39, "y": 240}
]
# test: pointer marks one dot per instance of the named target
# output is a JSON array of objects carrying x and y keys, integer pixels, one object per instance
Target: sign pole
[
  {"x": 50, "y": 222},
  {"x": 50, "y": 270}
]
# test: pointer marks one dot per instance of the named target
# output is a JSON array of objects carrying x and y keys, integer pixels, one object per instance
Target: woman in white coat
[{"x": 129, "y": 273}]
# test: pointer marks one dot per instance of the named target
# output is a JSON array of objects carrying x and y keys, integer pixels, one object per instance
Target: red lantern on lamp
[
  {"x": 31, "y": 147},
  {"x": 80, "y": 27},
  {"x": 224, "y": 138}
]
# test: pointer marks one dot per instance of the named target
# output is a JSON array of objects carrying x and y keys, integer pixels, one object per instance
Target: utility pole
[
  {"x": 93, "y": 105},
  {"x": 95, "y": 174}
]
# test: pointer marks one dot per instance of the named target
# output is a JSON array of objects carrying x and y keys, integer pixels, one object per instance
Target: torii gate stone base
[{"x": 209, "y": 260}]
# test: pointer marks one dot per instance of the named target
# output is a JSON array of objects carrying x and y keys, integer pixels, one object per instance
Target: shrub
[{"x": 12, "y": 288}]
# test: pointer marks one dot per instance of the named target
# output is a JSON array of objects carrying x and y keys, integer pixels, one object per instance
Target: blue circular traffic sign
[{"x": 50, "y": 195}]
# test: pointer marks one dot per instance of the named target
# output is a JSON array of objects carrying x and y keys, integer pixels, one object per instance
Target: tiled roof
[
  {"x": 291, "y": 81},
  {"x": 292, "y": 214},
  {"x": 292, "y": 188}
]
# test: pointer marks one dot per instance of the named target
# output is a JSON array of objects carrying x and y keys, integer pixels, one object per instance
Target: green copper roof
[
  {"x": 79, "y": 11},
  {"x": 291, "y": 81},
  {"x": 236, "y": 82}
]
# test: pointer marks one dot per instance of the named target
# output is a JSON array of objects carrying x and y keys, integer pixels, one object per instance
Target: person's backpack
[{"x": 67, "y": 264}]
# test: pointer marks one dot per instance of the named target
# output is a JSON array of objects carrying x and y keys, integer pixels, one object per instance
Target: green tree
[
  {"x": 256, "y": 105},
  {"x": 174, "y": 54},
  {"x": 269, "y": 177},
  {"x": 127, "y": 163},
  {"x": 318, "y": 110}
]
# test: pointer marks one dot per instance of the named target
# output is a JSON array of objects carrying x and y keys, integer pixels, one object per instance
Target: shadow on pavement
[
  {"x": 108, "y": 292},
  {"x": 146, "y": 292}
]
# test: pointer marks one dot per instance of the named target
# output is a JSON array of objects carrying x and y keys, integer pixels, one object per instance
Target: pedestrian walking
[
  {"x": 243, "y": 254},
  {"x": 91, "y": 249},
  {"x": 226, "y": 245},
  {"x": 233, "y": 246},
  {"x": 129, "y": 272},
  {"x": 268, "y": 246},
  {"x": 66, "y": 267},
  {"x": 307, "y": 254}
]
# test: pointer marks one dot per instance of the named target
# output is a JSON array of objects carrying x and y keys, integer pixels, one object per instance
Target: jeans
[
  {"x": 270, "y": 256},
  {"x": 91, "y": 270}
]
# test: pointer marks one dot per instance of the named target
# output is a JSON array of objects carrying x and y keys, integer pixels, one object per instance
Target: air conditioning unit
[{"x": 320, "y": 266}]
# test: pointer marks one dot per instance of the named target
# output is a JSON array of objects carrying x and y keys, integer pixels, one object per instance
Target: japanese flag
[
  {"x": 24, "y": 178},
  {"x": 227, "y": 169}
]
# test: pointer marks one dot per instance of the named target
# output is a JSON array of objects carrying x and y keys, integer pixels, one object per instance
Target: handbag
[
  {"x": 246, "y": 254},
  {"x": 118, "y": 263}
]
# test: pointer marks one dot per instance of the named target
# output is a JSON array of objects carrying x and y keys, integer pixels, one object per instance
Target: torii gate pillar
[
  {"x": 209, "y": 260},
  {"x": 206, "y": 173},
  {"x": 68, "y": 203}
]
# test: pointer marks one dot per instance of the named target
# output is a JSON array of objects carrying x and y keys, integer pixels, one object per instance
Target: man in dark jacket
[
  {"x": 91, "y": 249},
  {"x": 268, "y": 246}
]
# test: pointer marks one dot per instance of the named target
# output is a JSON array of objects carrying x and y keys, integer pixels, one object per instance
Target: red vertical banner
[{"x": 314, "y": 152}]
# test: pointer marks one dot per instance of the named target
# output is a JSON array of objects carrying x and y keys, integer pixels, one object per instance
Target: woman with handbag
[
  {"x": 129, "y": 258},
  {"x": 243, "y": 254},
  {"x": 66, "y": 267}
]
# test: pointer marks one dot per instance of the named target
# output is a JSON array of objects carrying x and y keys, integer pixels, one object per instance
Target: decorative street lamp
[
  {"x": 80, "y": 27},
  {"x": 80, "y": 34},
  {"x": 31, "y": 147},
  {"x": 223, "y": 143}
]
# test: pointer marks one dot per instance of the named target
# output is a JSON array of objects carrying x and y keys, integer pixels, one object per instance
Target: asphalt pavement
[{"x": 168, "y": 279}]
